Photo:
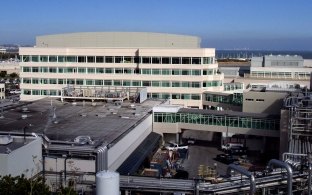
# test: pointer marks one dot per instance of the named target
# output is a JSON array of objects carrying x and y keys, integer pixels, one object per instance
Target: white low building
[{"x": 19, "y": 155}]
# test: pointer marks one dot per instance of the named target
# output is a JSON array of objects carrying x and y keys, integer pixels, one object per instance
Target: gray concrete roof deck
[
  {"x": 104, "y": 122},
  {"x": 228, "y": 113}
]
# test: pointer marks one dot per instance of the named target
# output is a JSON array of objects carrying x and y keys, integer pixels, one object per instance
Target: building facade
[{"x": 179, "y": 71}]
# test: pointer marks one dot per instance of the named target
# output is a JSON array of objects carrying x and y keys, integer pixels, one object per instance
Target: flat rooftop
[{"x": 103, "y": 122}]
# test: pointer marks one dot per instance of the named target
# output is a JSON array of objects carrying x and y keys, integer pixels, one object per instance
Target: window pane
[
  {"x": 185, "y": 72},
  {"x": 35, "y": 81},
  {"x": 155, "y": 83},
  {"x": 61, "y": 70},
  {"x": 118, "y": 71},
  {"x": 118, "y": 59},
  {"x": 175, "y": 96},
  {"x": 186, "y": 60},
  {"x": 43, "y": 58},
  {"x": 91, "y": 70},
  {"x": 71, "y": 59},
  {"x": 156, "y": 71},
  {"x": 117, "y": 82},
  {"x": 126, "y": 83},
  {"x": 35, "y": 58},
  {"x": 52, "y": 58},
  {"x": 128, "y": 59},
  {"x": 165, "y": 84},
  {"x": 99, "y": 70},
  {"x": 35, "y": 69},
  {"x": 146, "y": 60},
  {"x": 165, "y": 60},
  {"x": 175, "y": 84},
  {"x": 146, "y": 83},
  {"x": 136, "y": 83},
  {"x": 25, "y": 59},
  {"x": 176, "y": 60},
  {"x": 107, "y": 82},
  {"x": 79, "y": 81},
  {"x": 81, "y": 70},
  {"x": 89, "y": 82},
  {"x": 98, "y": 82},
  {"x": 196, "y": 60},
  {"x": 175, "y": 72},
  {"x": 108, "y": 70},
  {"x": 90, "y": 59},
  {"x": 52, "y": 70},
  {"x": 156, "y": 60},
  {"x": 165, "y": 72},
  {"x": 146, "y": 71},
  {"x": 53, "y": 81},
  {"x": 61, "y": 59},
  {"x": 81, "y": 59},
  {"x": 99, "y": 59},
  {"x": 60, "y": 81},
  {"x": 108, "y": 59}
]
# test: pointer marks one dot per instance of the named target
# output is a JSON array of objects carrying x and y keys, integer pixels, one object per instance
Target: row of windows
[
  {"x": 92, "y": 70},
  {"x": 134, "y": 83},
  {"x": 149, "y": 95},
  {"x": 176, "y": 96},
  {"x": 251, "y": 100},
  {"x": 230, "y": 121},
  {"x": 233, "y": 86},
  {"x": 119, "y": 59},
  {"x": 280, "y": 74},
  {"x": 234, "y": 99}
]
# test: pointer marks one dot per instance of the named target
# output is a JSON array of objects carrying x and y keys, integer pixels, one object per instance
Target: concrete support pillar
[
  {"x": 264, "y": 144},
  {"x": 178, "y": 138}
]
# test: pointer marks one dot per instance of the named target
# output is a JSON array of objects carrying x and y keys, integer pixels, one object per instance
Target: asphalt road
[{"x": 202, "y": 155}]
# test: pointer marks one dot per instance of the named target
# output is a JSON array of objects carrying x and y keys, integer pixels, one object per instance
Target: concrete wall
[
  {"x": 118, "y": 39},
  {"x": 24, "y": 160},
  {"x": 123, "y": 149},
  {"x": 263, "y": 102}
]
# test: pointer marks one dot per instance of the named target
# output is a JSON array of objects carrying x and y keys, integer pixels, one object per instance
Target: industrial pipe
[
  {"x": 102, "y": 159},
  {"x": 282, "y": 164},
  {"x": 246, "y": 173}
]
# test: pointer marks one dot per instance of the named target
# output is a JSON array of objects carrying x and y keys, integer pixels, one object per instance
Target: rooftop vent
[{"x": 5, "y": 139}]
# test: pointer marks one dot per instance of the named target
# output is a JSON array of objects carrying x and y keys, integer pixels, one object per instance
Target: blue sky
[{"x": 223, "y": 24}]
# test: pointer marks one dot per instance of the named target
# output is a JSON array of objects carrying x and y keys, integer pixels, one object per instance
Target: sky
[{"x": 221, "y": 24}]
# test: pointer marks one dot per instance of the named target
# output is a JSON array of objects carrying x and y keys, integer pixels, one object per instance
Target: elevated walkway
[{"x": 217, "y": 121}]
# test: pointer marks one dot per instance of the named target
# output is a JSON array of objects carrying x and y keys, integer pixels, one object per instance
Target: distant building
[
  {"x": 2, "y": 50},
  {"x": 169, "y": 66},
  {"x": 279, "y": 67}
]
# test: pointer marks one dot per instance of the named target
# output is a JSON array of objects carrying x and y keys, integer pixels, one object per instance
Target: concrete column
[{"x": 177, "y": 138}]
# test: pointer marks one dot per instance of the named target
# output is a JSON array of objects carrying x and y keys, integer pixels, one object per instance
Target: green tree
[
  {"x": 13, "y": 75},
  {"x": 2, "y": 74},
  {"x": 20, "y": 185}
]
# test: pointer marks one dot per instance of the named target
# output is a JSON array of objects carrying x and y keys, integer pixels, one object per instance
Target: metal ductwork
[
  {"x": 243, "y": 171},
  {"x": 282, "y": 164},
  {"x": 102, "y": 159}
]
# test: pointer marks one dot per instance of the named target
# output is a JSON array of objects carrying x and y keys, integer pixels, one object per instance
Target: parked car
[
  {"x": 237, "y": 150},
  {"x": 225, "y": 158},
  {"x": 174, "y": 146},
  {"x": 15, "y": 91},
  {"x": 228, "y": 146}
]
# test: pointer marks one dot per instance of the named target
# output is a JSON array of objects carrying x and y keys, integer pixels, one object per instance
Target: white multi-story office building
[{"x": 168, "y": 66}]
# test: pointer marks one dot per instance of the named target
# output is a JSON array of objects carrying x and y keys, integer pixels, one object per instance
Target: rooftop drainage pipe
[
  {"x": 102, "y": 159},
  {"x": 282, "y": 164},
  {"x": 246, "y": 173}
]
